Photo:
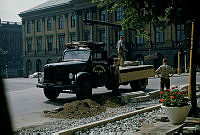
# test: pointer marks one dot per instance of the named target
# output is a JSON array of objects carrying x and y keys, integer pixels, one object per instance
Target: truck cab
[{"x": 83, "y": 66}]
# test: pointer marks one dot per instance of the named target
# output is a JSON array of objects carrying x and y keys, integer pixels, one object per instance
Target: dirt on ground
[{"x": 84, "y": 108}]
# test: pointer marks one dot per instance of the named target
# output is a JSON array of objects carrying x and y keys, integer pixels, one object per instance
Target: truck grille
[
  {"x": 62, "y": 76},
  {"x": 57, "y": 75},
  {"x": 49, "y": 74}
]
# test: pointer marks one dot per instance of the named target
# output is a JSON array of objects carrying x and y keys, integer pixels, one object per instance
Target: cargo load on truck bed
[{"x": 128, "y": 73}]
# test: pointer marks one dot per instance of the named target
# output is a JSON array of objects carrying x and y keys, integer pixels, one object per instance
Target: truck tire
[
  {"x": 110, "y": 85},
  {"x": 85, "y": 89},
  {"x": 138, "y": 85},
  {"x": 115, "y": 90},
  {"x": 113, "y": 85},
  {"x": 51, "y": 94}
]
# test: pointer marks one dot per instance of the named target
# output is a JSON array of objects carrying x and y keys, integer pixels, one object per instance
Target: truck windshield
[{"x": 82, "y": 55}]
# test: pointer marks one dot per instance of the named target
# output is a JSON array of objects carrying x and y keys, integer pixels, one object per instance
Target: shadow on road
[
  {"x": 61, "y": 101},
  {"x": 149, "y": 90}
]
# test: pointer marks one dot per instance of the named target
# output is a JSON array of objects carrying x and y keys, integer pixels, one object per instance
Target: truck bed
[{"x": 130, "y": 73}]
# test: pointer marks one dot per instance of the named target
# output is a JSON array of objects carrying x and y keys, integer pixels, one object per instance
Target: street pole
[
  {"x": 6, "y": 71},
  {"x": 185, "y": 62},
  {"x": 107, "y": 33},
  {"x": 179, "y": 62},
  {"x": 192, "y": 69}
]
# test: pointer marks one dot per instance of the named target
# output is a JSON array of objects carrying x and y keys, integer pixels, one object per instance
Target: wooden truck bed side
[{"x": 130, "y": 73}]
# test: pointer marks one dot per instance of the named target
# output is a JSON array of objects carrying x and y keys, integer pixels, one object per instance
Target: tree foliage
[{"x": 138, "y": 13}]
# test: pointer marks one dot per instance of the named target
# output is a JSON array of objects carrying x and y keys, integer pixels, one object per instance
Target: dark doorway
[
  {"x": 38, "y": 65},
  {"x": 28, "y": 67}
]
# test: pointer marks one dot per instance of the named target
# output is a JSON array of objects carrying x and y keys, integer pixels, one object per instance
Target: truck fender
[{"x": 80, "y": 76}]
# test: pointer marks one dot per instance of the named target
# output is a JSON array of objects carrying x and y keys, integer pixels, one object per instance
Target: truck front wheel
[
  {"x": 138, "y": 85},
  {"x": 85, "y": 89},
  {"x": 51, "y": 94}
]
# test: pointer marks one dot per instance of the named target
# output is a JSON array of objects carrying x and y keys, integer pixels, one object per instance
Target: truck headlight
[{"x": 71, "y": 76}]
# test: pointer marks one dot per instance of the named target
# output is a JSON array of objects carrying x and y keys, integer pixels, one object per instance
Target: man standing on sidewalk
[{"x": 165, "y": 71}]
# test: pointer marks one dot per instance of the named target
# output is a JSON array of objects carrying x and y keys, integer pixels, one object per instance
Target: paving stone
[
  {"x": 139, "y": 99},
  {"x": 126, "y": 96}
]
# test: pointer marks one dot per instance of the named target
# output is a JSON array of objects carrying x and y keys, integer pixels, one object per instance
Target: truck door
[{"x": 99, "y": 70}]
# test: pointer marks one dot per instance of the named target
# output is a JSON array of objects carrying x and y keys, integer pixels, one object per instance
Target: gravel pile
[
  {"x": 70, "y": 122},
  {"x": 77, "y": 109},
  {"x": 84, "y": 108}
]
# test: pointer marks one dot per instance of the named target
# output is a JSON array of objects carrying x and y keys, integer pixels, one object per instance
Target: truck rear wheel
[
  {"x": 138, "y": 85},
  {"x": 51, "y": 94},
  {"x": 110, "y": 85},
  {"x": 113, "y": 85},
  {"x": 85, "y": 89},
  {"x": 115, "y": 90}
]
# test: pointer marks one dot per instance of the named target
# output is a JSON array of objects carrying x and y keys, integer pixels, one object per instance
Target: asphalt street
[{"x": 26, "y": 102}]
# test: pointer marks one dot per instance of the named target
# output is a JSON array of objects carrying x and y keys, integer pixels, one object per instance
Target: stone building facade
[
  {"x": 11, "y": 46},
  {"x": 48, "y": 26}
]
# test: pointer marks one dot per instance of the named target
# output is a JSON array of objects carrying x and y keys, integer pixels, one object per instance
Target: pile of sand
[{"x": 84, "y": 108}]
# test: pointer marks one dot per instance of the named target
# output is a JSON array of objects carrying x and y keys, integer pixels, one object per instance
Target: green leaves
[{"x": 137, "y": 13}]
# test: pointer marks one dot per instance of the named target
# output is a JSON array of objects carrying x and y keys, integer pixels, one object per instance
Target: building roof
[{"x": 48, "y": 4}]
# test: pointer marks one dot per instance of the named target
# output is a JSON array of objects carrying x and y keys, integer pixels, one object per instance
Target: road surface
[{"x": 26, "y": 102}]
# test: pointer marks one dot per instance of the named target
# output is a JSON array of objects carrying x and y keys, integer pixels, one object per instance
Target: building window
[
  {"x": 140, "y": 40},
  {"x": 72, "y": 36},
  {"x": 118, "y": 14},
  {"x": 86, "y": 35},
  {"x": 49, "y": 24},
  {"x": 50, "y": 43},
  {"x": 28, "y": 67},
  {"x": 73, "y": 19},
  {"x": 87, "y": 15},
  {"x": 39, "y": 44},
  {"x": 29, "y": 45},
  {"x": 159, "y": 35},
  {"x": 28, "y": 27},
  {"x": 61, "y": 41},
  {"x": 38, "y": 26},
  {"x": 180, "y": 32},
  {"x": 38, "y": 65},
  {"x": 60, "y": 23},
  {"x": 102, "y": 36},
  {"x": 102, "y": 15}
]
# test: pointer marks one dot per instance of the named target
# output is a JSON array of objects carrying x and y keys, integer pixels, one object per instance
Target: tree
[{"x": 138, "y": 13}]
